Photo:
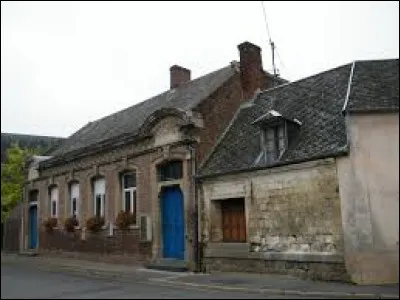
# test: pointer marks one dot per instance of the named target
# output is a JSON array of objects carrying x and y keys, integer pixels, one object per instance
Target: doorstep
[
  {"x": 30, "y": 252},
  {"x": 172, "y": 265}
]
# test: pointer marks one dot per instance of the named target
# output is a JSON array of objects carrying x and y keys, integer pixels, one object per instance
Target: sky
[{"x": 64, "y": 64}]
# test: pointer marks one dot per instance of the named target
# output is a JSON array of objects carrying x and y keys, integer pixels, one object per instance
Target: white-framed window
[
  {"x": 99, "y": 197},
  {"x": 129, "y": 193},
  {"x": 54, "y": 202},
  {"x": 74, "y": 200}
]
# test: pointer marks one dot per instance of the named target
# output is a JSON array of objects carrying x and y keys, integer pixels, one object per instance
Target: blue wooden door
[
  {"x": 173, "y": 224},
  {"x": 33, "y": 228}
]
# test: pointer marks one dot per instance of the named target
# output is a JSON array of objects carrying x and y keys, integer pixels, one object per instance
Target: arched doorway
[{"x": 173, "y": 223}]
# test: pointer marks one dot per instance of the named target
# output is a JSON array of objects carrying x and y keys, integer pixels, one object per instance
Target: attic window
[
  {"x": 276, "y": 133},
  {"x": 275, "y": 142}
]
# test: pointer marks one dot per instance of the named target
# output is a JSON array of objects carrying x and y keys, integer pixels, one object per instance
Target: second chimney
[
  {"x": 179, "y": 75},
  {"x": 251, "y": 72}
]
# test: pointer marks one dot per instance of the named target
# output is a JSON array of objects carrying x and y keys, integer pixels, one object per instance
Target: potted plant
[
  {"x": 95, "y": 223},
  {"x": 124, "y": 220},
  {"x": 70, "y": 224},
  {"x": 50, "y": 224}
]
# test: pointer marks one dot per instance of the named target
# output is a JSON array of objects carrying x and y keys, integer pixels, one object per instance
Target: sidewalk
[
  {"x": 285, "y": 285},
  {"x": 259, "y": 283}
]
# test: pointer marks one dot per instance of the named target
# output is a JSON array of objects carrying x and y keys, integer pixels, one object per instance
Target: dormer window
[
  {"x": 275, "y": 142},
  {"x": 276, "y": 134}
]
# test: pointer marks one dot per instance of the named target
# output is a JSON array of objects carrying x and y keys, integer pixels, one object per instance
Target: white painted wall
[{"x": 369, "y": 190}]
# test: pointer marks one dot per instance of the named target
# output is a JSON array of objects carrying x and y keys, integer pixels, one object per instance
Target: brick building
[
  {"x": 141, "y": 160},
  {"x": 10, "y": 227}
]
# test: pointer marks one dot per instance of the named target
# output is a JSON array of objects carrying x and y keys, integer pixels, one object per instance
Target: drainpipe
[{"x": 196, "y": 208}]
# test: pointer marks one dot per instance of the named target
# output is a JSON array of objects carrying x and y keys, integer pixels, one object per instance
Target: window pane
[
  {"x": 53, "y": 208},
  {"x": 127, "y": 201},
  {"x": 74, "y": 207},
  {"x": 98, "y": 206},
  {"x": 281, "y": 144},
  {"x": 281, "y": 132},
  {"x": 103, "y": 205},
  {"x": 129, "y": 180},
  {"x": 134, "y": 206},
  {"x": 33, "y": 196},
  {"x": 270, "y": 134},
  {"x": 170, "y": 171},
  {"x": 270, "y": 145}
]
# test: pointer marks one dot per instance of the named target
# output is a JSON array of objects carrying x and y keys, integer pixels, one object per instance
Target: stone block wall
[
  {"x": 297, "y": 211},
  {"x": 328, "y": 271},
  {"x": 293, "y": 211}
]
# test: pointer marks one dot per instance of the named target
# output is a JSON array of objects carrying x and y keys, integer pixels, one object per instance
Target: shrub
[
  {"x": 70, "y": 223},
  {"x": 50, "y": 224},
  {"x": 124, "y": 219},
  {"x": 95, "y": 223}
]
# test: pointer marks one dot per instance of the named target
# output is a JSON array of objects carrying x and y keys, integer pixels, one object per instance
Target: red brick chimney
[
  {"x": 251, "y": 73},
  {"x": 179, "y": 75}
]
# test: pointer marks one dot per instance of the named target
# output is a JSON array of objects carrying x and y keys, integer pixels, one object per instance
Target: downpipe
[{"x": 196, "y": 249}]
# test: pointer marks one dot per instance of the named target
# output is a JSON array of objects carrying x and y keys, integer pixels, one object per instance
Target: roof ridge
[
  {"x": 376, "y": 60},
  {"x": 193, "y": 81},
  {"x": 305, "y": 78},
  {"x": 128, "y": 120},
  {"x": 32, "y": 135}
]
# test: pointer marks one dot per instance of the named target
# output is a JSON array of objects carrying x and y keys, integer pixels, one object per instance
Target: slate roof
[
  {"x": 317, "y": 102},
  {"x": 129, "y": 120},
  {"x": 28, "y": 141},
  {"x": 375, "y": 86}
]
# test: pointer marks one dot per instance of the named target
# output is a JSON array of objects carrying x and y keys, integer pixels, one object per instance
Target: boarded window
[{"x": 233, "y": 221}]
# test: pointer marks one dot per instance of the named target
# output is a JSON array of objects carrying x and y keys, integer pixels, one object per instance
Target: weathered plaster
[{"x": 369, "y": 192}]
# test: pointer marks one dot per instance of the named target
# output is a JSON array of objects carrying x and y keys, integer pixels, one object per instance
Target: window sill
[{"x": 128, "y": 228}]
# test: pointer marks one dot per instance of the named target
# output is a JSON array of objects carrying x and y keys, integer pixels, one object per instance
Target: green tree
[{"x": 12, "y": 178}]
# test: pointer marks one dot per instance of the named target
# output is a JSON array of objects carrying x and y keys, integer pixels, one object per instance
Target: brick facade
[
  {"x": 167, "y": 142},
  {"x": 121, "y": 243}
]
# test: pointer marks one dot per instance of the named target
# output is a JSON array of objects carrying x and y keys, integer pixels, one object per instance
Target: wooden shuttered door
[{"x": 233, "y": 221}]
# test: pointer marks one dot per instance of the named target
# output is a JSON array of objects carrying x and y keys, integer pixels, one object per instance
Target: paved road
[{"x": 19, "y": 281}]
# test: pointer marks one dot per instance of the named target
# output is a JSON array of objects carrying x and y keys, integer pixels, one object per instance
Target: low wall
[
  {"x": 237, "y": 258},
  {"x": 122, "y": 246}
]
